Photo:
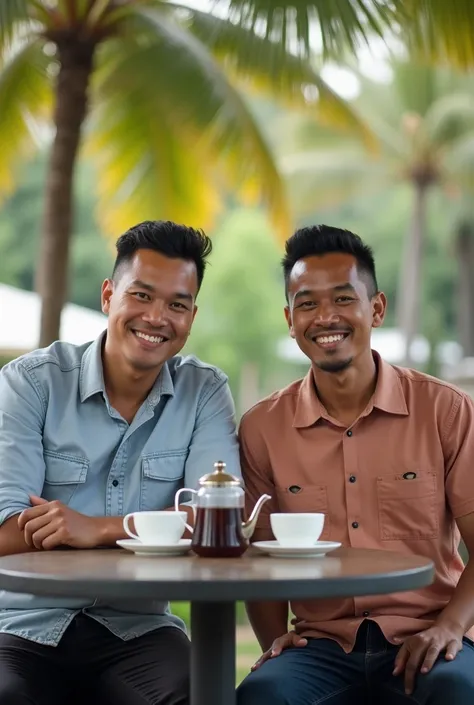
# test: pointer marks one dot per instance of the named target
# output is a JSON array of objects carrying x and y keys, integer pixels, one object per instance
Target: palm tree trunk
[
  {"x": 76, "y": 61},
  {"x": 409, "y": 289},
  {"x": 465, "y": 258}
]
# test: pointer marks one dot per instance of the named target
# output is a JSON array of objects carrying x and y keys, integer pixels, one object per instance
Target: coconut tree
[
  {"x": 424, "y": 121},
  {"x": 433, "y": 28},
  {"x": 142, "y": 86}
]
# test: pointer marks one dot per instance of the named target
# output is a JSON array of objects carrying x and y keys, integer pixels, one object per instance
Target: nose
[
  {"x": 155, "y": 314},
  {"x": 326, "y": 314}
]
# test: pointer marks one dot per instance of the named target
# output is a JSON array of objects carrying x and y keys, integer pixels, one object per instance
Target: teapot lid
[{"x": 219, "y": 478}]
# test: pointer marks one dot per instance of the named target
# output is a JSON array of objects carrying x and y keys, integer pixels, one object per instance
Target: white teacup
[
  {"x": 297, "y": 529},
  {"x": 156, "y": 528}
]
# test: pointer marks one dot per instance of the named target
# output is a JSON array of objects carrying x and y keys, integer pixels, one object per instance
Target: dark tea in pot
[{"x": 218, "y": 533}]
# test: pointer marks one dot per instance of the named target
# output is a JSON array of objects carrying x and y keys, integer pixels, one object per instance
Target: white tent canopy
[{"x": 20, "y": 320}]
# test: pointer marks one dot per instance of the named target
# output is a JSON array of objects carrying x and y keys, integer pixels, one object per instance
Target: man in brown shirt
[{"x": 387, "y": 454}]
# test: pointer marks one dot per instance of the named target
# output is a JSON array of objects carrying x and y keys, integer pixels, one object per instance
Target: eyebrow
[
  {"x": 148, "y": 287},
  {"x": 183, "y": 295},
  {"x": 340, "y": 287},
  {"x": 344, "y": 287}
]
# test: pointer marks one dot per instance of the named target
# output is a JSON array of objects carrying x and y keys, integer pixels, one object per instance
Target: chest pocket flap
[
  {"x": 63, "y": 475},
  {"x": 162, "y": 476}
]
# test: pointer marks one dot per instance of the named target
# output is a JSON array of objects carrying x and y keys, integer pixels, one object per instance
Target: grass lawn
[{"x": 248, "y": 652}]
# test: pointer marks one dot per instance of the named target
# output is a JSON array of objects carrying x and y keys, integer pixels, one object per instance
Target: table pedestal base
[{"x": 212, "y": 653}]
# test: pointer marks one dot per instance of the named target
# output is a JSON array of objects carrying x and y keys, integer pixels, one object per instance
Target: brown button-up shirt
[{"x": 414, "y": 424}]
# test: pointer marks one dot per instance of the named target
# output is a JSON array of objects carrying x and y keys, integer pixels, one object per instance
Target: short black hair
[
  {"x": 319, "y": 240},
  {"x": 167, "y": 238}
]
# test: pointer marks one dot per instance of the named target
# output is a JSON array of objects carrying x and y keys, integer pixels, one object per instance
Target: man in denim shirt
[{"x": 87, "y": 434}]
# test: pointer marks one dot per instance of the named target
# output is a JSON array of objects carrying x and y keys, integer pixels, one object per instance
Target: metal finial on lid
[{"x": 219, "y": 478}]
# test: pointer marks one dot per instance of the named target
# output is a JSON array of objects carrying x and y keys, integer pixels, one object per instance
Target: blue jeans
[{"x": 322, "y": 672}]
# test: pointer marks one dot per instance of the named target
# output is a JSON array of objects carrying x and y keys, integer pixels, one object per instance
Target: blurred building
[{"x": 20, "y": 320}]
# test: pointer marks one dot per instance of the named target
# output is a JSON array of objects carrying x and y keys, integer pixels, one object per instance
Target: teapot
[{"x": 219, "y": 530}]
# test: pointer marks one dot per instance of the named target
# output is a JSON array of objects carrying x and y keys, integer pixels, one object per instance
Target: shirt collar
[
  {"x": 388, "y": 396},
  {"x": 92, "y": 375}
]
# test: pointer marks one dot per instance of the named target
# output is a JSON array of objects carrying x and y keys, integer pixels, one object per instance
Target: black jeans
[{"x": 92, "y": 666}]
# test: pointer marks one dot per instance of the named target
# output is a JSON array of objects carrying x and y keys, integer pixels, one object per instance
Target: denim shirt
[{"x": 61, "y": 439}]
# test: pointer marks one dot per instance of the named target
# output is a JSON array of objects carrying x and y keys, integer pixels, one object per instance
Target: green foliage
[
  {"x": 435, "y": 29},
  {"x": 241, "y": 303},
  {"x": 25, "y": 91},
  {"x": 151, "y": 130},
  {"x": 183, "y": 610},
  {"x": 20, "y": 224},
  {"x": 342, "y": 24}
]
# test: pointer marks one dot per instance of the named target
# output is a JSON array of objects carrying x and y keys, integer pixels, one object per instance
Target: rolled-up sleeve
[
  {"x": 214, "y": 437},
  {"x": 22, "y": 467},
  {"x": 458, "y": 445}
]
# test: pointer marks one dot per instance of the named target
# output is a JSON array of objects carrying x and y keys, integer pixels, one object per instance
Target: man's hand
[
  {"x": 47, "y": 525},
  {"x": 420, "y": 651},
  {"x": 287, "y": 641}
]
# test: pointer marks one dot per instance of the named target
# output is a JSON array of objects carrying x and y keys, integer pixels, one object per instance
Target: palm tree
[
  {"x": 424, "y": 121},
  {"x": 434, "y": 29},
  {"x": 140, "y": 85}
]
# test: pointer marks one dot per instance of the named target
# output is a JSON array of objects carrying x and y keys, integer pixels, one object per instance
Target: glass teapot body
[
  {"x": 218, "y": 524},
  {"x": 219, "y": 528}
]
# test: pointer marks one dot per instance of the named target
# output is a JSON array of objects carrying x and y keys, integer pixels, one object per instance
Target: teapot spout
[{"x": 248, "y": 527}]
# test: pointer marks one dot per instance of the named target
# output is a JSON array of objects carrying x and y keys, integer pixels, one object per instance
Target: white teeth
[
  {"x": 325, "y": 339},
  {"x": 150, "y": 338}
]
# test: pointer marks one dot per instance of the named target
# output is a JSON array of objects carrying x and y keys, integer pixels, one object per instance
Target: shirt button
[
  {"x": 115, "y": 483},
  {"x": 349, "y": 433},
  {"x": 352, "y": 478},
  {"x": 355, "y": 524},
  {"x": 365, "y": 613}
]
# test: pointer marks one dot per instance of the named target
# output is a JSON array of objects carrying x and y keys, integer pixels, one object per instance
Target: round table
[{"x": 213, "y": 586}]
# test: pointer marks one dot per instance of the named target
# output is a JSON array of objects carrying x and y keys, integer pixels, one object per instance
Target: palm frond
[
  {"x": 450, "y": 116},
  {"x": 163, "y": 104},
  {"x": 441, "y": 31},
  {"x": 459, "y": 161},
  {"x": 415, "y": 84},
  {"x": 13, "y": 14},
  {"x": 325, "y": 179},
  {"x": 25, "y": 102},
  {"x": 260, "y": 64},
  {"x": 337, "y": 24},
  {"x": 388, "y": 136}
]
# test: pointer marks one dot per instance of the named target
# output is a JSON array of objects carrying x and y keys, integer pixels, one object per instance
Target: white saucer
[
  {"x": 146, "y": 549},
  {"x": 273, "y": 548}
]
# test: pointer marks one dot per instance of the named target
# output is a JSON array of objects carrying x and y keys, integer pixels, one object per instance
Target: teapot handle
[{"x": 193, "y": 506}]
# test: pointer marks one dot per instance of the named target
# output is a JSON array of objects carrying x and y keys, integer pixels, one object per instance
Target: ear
[
  {"x": 289, "y": 321},
  {"x": 379, "y": 307},
  {"x": 106, "y": 295},
  {"x": 194, "y": 312}
]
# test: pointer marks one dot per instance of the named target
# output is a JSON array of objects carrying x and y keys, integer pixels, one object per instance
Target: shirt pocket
[
  {"x": 310, "y": 498},
  {"x": 407, "y": 507},
  {"x": 63, "y": 475},
  {"x": 162, "y": 475}
]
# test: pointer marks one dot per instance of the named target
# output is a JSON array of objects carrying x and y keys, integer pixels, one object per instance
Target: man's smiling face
[
  {"x": 150, "y": 305},
  {"x": 330, "y": 313}
]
